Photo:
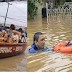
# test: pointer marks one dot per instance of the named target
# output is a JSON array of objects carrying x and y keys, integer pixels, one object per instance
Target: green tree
[
  {"x": 60, "y": 2},
  {"x": 32, "y": 8}
]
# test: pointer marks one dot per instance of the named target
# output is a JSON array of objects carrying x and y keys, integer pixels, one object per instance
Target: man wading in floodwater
[{"x": 38, "y": 44}]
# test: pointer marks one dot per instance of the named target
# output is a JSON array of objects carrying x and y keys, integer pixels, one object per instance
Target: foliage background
[{"x": 32, "y": 8}]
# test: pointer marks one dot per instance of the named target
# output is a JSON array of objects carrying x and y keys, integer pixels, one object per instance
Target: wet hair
[
  {"x": 36, "y": 36},
  {"x": 12, "y": 26},
  {"x": 20, "y": 30}
]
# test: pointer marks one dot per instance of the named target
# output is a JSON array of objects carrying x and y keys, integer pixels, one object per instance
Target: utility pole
[{"x": 6, "y": 13}]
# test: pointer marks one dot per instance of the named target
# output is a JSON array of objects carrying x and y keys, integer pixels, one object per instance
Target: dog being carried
[{"x": 10, "y": 35}]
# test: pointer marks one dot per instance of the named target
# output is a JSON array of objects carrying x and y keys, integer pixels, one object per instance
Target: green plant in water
[{"x": 32, "y": 8}]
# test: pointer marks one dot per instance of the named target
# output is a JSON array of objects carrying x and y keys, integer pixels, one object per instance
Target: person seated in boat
[
  {"x": 12, "y": 30},
  {"x": 12, "y": 27},
  {"x": 38, "y": 44},
  {"x": 22, "y": 37},
  {"x": 25, "y": 33},
  {"x": 21, "y": 30}
]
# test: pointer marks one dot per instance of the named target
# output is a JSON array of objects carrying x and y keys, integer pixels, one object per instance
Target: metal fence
[
  {"x": 57, "y": 11},
  {"x": 60, "y": 10}
]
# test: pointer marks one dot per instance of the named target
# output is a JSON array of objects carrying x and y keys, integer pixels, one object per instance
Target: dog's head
[
  {"x": 3, "y": 33},
  {"x": 7, "y": 30},
  {"x": 6, "y": 38},
  {"x": 15, "y": 38},
  {"x": 23, "y": 35}
]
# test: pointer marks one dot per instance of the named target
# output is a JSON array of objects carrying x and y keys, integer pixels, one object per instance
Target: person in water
[{"x": 38, "y": 44}]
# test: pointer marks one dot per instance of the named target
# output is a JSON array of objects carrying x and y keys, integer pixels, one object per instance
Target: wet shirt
[
  {"x": 11, "y": 33},
  {"x": 34, "y": 49}
]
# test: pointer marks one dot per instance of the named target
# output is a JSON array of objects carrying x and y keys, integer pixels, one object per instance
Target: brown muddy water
[
  {"x": 58, "y": 29},
  {"x": 16, "y": 63}
]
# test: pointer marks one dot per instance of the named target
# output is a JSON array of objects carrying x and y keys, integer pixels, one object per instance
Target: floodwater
[
  {"x": 58, "y": 29},
  {"x": 17, "y": 15},
  {"x": 15, "y": 63}
]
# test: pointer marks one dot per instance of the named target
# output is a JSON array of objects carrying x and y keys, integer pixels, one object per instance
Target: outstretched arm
[{"x": 18, "y": 33}]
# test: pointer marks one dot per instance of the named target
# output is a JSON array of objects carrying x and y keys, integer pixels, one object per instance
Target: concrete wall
[{"x": 39, "y": 13}]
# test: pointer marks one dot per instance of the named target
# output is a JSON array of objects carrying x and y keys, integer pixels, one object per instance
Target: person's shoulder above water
[{"x": 33, "y": 49}]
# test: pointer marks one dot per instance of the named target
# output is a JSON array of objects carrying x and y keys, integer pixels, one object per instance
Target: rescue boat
[
  {"x": 63, "y": 47},
  {"x": 10, "y": 49}
]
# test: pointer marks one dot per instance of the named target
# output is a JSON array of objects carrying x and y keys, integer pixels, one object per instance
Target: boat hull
[{"x": 8, "y": 49}]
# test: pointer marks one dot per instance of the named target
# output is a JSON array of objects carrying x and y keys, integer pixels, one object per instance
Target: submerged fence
[
  {"x": 60, "y": 10},
  {"x": 57, "y": 11}
]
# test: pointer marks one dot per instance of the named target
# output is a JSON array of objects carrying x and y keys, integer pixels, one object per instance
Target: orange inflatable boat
[{"x": 61, "y": 47}]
